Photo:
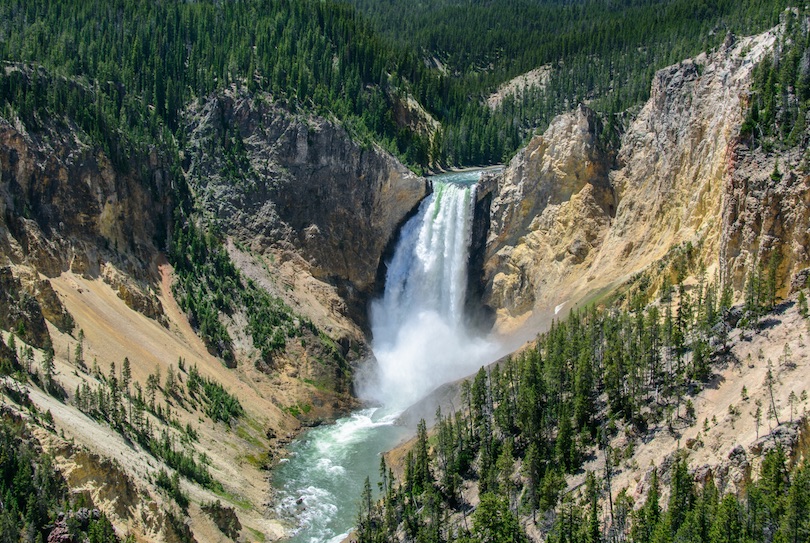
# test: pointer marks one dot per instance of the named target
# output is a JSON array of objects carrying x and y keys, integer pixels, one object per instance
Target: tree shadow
[
  {"x": 768, "y": 323},
  {"x": 714, "y": 381},
  {"x": 781, "y": 308}
]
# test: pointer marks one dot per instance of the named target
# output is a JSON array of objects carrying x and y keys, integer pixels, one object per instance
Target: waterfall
[
  {"x": 420, "y": 342},
  {"x": 419, "y": 336}
]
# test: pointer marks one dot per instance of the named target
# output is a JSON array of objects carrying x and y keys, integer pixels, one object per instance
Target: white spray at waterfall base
[{"x": 419, "y": 336}]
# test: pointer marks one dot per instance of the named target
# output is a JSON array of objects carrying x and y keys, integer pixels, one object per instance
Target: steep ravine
[{"x": 304, "y": 211}]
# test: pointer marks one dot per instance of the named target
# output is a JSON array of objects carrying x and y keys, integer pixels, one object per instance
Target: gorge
[{"x": 228, "y": 294}]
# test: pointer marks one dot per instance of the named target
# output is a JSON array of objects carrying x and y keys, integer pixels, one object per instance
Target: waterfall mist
[{"x": 419, "y": 337}]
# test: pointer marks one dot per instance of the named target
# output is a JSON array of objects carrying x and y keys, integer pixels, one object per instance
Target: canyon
[{"x": 311, "y": 214}]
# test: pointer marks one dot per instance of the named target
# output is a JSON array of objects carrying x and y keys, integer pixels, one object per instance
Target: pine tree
[
  {"x": 792, "y": 401},
  {"x": 727, "y": 526},
  {"x": 116, "y": 410},
  {"x": 802, "y": 304},
  {"x": 795, "y": 523},
  {"x": 772, "y": 278},
  {"x": 647, "y": 517},
  {"x": 48, "y": 369},
  {"x": 770, "y": 381},
  {"x": 530, "y": 470},
  {"x": 593, "y": 532},
  {"x": 12, "y": 343},
  {"x": 78, "y": 356},
  {"x": 169, "y": 387},
  {"x": 126, "y": 378},
  {"x": 682, "y": 495},
  {"x": 421, "y": 475},
  {"x": 151, "y": 389},
  {"x": 565, "y": 446},
  {"x": 494, "y": 521}
]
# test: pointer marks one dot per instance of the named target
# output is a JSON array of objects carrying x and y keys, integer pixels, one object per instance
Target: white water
[
  {"x": 419, "y": 342},
  {"x": 418, "y": 331}
]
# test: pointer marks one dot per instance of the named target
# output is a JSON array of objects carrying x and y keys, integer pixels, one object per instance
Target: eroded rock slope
[
  {"x": 299, "y": 188},
  {"x": 569, "y": 219}
]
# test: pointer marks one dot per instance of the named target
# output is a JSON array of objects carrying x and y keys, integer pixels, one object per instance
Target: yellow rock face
[{"x": 570, "y": 219}]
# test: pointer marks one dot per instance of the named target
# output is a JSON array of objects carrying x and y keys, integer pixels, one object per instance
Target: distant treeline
[
  {"x": 142, "y": 62},
  {"x": 601, "y": 51}
]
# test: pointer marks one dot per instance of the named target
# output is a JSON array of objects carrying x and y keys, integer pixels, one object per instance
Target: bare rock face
[
  {"x": 225, "y": 518},
  {"x": 51, "y": 306},
  {"x": 549, "y": 210},
  {"x": 300, "y": 187},
  {"x": 65, "y": 206},
  {"x": 567, "y": 223},
  {"x": 766, "y": 214}
]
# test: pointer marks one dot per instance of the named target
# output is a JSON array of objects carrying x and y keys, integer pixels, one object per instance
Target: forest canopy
[{"x": 142, "y": 61}]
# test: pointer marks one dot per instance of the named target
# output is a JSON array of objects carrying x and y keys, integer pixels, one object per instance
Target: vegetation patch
[{"x": 36, "y": 501}]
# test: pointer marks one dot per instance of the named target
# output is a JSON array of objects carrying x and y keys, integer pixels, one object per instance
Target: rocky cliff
[
  {"x": 550, "y": 210},
  {"x": 568, "y": 220},
  {"x": 300, "y": 188},
  {"x": 65, "y": 207}
]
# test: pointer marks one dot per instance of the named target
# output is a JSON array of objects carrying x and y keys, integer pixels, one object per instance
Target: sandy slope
[
  {"x": 747, "y": 367},
  {"x": 113, "y": 331}
]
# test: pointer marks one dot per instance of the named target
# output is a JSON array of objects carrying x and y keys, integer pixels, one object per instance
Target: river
[{"x": 419, "y": 341}]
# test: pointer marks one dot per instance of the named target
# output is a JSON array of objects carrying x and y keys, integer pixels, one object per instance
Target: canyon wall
[
  {"x": 569, "y": 219},
  {"x": 305, "y": 212},
  {"x": 300, "y": 188},
  {"x": 65, "y": 207}
]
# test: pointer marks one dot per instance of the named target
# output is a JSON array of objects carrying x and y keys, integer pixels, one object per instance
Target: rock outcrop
[
  {"x": 766, "y": 214},
  {"x": 141, "y": 299},
  {"x": 300, "y": 188},
  {"x": 549, "y": 210},
  {"x": 65, "y": 206},
  {"x": 20, "y": 312},
  {"x": 568, "y": 222}
]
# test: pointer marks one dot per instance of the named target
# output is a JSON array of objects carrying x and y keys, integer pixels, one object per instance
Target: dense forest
[
  {"x": 144, "y": 61},
  {"x": 604, "y": 52},
  {"x": 131, "y": 66},
  {"x": 537, "y": 416}
]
